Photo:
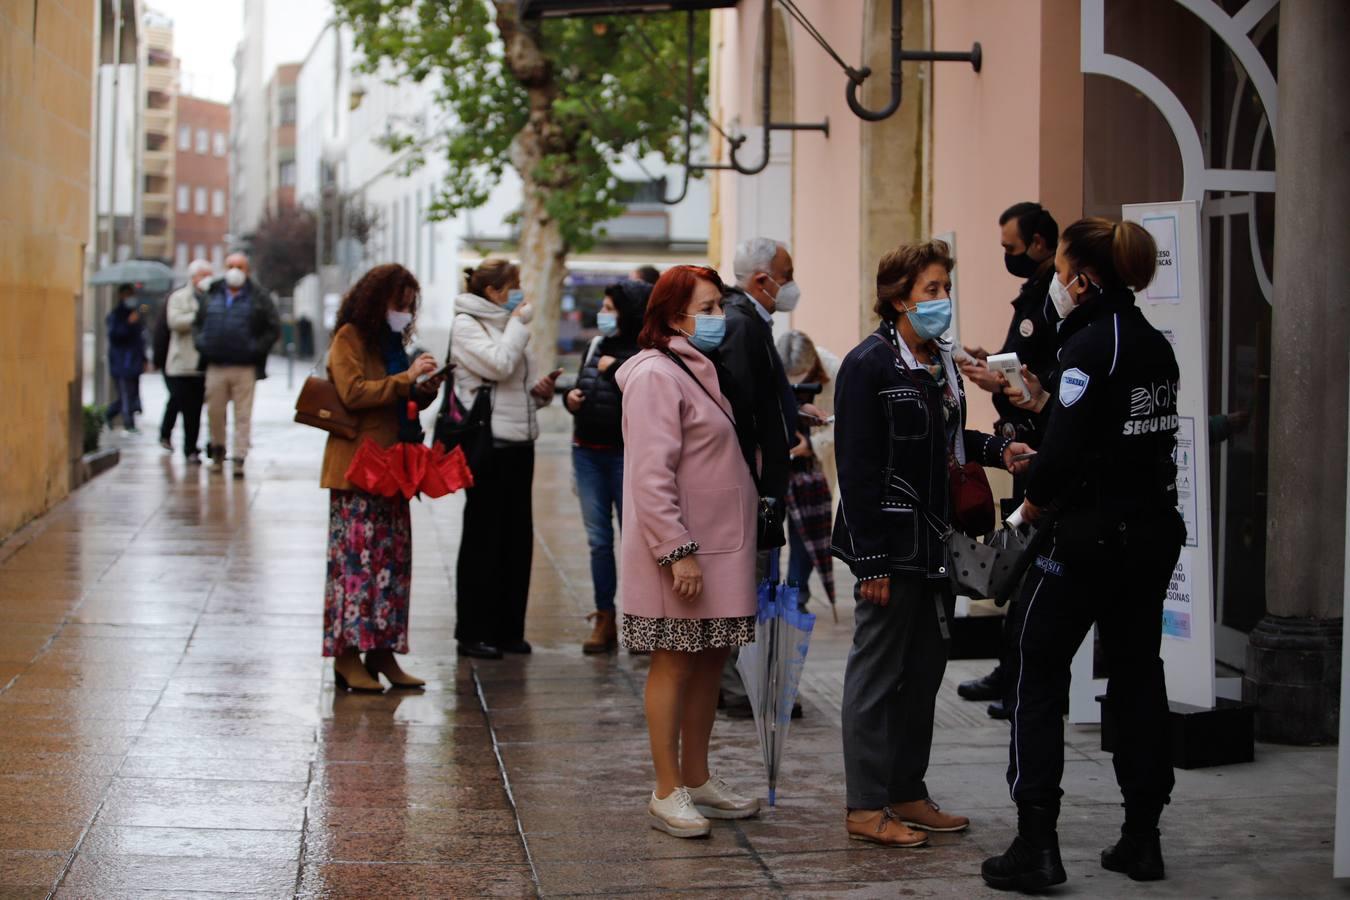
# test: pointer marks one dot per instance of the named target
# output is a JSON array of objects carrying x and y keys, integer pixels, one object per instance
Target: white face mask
[
  {"x": 789, "y": 295},
  {"x": 1060, "y": 296},
  {"x": 398, "y": 321},
  {"x": 235, "y": 278}
]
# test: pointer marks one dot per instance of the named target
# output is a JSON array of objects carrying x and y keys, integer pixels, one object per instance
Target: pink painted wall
[{"x": 986, "y": 154}]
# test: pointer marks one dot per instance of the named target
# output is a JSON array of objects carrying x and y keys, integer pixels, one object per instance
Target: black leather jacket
[{"x": 891, "y": 447}]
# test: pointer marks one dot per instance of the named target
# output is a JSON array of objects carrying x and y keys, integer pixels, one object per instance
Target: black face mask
[{"x": 1020, "y": 265}]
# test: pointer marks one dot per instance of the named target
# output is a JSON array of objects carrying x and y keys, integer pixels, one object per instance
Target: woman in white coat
[{"x": 488, "y": 347}]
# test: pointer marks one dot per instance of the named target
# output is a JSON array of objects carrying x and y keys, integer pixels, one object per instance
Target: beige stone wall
[{"x": 45, "y": 146}]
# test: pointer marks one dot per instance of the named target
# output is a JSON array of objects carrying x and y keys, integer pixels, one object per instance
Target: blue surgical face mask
[
  {"x": 513, "y": 299},
  {"x": 608, "y": 323},
  {"x": 931, "y": 318},
  {"x": 708, "y": 332}
]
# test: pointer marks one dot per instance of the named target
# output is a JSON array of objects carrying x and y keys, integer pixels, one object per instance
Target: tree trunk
[{"x": 543, "y": 251}]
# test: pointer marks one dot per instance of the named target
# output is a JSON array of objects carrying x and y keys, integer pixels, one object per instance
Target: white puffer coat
[{"x": 488, "y": 345}]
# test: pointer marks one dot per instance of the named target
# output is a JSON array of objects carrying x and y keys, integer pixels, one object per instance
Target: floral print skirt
[
  {"x": 369, "y": 573},
  {"x": 687, "y": 635}
]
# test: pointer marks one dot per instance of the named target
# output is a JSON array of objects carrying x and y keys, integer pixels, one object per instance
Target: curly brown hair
[
  {"x": 899, "y": 269},
  {"x": 365, "y": 304}
]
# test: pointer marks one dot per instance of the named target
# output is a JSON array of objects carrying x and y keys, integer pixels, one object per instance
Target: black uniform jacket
[
  {"x": 1112, "y": 427},
  {"x": 1032, "y": 335},
  {"x": 759, "y": 392},
  {"x": 891, "y": 448}
]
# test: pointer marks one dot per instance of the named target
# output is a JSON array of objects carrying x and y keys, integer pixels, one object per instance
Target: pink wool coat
[{"x": 684, "y": 479}]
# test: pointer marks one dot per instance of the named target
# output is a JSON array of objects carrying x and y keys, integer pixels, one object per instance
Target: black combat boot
[
  {"x": 1137, "y": 854},
  {"x": 1032, "y": 863}
]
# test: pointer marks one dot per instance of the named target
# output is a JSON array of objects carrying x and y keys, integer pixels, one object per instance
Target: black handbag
[
  {"x": 769, "y": 531},
  {"x": 469, "y": 429}
]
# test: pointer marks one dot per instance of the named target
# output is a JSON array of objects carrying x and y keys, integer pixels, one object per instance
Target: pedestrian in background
[
  {"x": 182, "y": 369},
  {"x": 126, "y": 356},
  {"x": 596, "y": 405},
  {"x": 646, "y": 274},
  {"x": 370, "y": 537},
  {"x": 490, "y": 340},
  {"x": 807, "y": 363},
  {"x": 901, "y": 428},
  {"x": 689, "y": 549},
  {"x": 236, "y": 326}
]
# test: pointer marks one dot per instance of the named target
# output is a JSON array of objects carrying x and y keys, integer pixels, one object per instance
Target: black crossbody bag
[
  {"x": 769, "y": 534},
  {"x": 469, "y": 429}
]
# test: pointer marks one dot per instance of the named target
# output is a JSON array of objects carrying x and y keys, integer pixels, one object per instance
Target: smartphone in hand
[{"x": 423, "y": 379}]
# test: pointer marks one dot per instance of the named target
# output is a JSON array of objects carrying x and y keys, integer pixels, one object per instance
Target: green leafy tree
[{"x": 559, "y": 102}]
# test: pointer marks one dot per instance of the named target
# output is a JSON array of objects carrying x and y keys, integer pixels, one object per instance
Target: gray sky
[{"x": 204, "y": 38}]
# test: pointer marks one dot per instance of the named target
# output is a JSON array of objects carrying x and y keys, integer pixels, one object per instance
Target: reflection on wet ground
[{"x": 168, "y": 728}]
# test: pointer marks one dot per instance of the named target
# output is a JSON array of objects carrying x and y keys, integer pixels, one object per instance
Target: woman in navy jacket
[
  {"x": 126, "y": 356},
  {"x": 900, "y": 411}
]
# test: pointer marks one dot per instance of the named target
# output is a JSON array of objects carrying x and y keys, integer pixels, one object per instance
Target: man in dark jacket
[
  {"x": 237, "y": 324},
  {"x": 1029, "y": 235}
]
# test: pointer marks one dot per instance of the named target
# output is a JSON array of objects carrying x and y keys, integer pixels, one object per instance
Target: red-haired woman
[
  {"x": 370, "y": 537},
  {"x": 688, "y": 551}
]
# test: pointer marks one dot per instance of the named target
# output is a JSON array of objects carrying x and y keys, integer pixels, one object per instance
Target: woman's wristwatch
[{"x": 678, "y": 554}]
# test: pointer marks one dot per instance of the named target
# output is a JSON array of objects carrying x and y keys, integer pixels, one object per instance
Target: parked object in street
[
  {"x": 688, "y": 553},
  {"x": 489, "y": 344},
  {"x": 596, "y": 405},
  {"x": 235, "y": 328},
  {"x": 370, "y": 536},
  {"x": 901, "y": 434},
  {"x": 126, "y": 356},
  {"x": 1113, "y": 546},
  {"x": 182, "y": 363}
]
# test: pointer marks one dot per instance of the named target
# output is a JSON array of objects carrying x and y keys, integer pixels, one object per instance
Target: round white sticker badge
[{"x": 1026, "y": 328}]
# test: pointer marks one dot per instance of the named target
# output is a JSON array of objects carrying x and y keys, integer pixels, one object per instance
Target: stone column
[{"x": 1294, "y": 654}]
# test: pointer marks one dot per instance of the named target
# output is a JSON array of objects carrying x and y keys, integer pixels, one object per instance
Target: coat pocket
[
  {"x": 902, "y": 530},
  {"x": 716, "y": 518},
  {"x": 906, "y": 413}
]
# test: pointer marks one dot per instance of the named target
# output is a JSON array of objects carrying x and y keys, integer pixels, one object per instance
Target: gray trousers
[{"x": 890, "y": 689}]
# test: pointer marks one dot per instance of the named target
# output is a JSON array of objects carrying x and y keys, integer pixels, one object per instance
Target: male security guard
[
  {"x": 1106, "y": 470},
  {"x": 1029, "y": 235}
]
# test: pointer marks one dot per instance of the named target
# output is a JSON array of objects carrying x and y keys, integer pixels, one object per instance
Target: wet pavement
[{"x": 169, "y": 729}]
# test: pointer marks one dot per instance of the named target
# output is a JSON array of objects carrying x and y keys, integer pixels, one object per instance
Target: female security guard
[{"x": 1106, "y": 468}]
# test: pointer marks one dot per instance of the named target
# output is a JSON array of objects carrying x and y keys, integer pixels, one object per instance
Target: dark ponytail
[{"x": 1121, "y": 253}]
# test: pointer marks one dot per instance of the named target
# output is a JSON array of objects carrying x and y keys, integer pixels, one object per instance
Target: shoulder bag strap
[{"x": 675, "y": 358}]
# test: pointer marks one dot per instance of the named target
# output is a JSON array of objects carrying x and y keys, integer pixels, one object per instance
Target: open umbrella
[
  {"x": 154, "y": 275},
  {"x": 771, "y": 667}
]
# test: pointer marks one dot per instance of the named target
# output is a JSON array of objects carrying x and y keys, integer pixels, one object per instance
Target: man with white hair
[{"x": 182, "y": 368}]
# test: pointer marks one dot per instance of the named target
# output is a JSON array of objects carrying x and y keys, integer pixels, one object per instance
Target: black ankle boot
[
  {"x": 1032, "y": 863},
  {"x": 1136, "y": 854}
]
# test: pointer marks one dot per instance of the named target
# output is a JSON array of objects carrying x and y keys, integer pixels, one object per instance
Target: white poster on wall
[{"x": 1175, "y": 304}]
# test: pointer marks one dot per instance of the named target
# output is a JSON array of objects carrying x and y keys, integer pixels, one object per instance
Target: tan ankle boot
[
  {"x": 350, "y": 675},
  {"x": 604, "y": 635},
  {"x": 383, "y": 662},
  {"x": 882, "y": 827}
]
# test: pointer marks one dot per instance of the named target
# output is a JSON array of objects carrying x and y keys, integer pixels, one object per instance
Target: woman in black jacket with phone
[{"x": 596, "y": 404}]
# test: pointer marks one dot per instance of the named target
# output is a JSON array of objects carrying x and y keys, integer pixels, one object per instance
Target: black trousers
[
  {"x": 1120, "y": 586},
  {"x": 187, "y": 393},
  {"x": 497, "y": 548},
  {"x": 891, "y": 683}
]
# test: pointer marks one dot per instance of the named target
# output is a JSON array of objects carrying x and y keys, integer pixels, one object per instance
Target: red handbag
[{"x": 972, "y": 499}]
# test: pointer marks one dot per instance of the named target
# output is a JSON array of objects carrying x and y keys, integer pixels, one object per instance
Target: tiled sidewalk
[{"x": 168, "y": 729}]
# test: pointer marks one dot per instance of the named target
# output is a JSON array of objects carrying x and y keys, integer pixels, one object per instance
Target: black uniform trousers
[
  {"x": 497, "y": 548},
  {"x": 1119, "y": 585}
]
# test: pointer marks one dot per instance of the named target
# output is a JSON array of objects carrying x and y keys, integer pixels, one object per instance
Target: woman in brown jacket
[{"x": 370, "y": 537}]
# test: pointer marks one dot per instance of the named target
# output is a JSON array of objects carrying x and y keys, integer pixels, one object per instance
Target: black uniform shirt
[
  {"x": 1113, "y": 422},
  {"x": 1032, "y": 336}
]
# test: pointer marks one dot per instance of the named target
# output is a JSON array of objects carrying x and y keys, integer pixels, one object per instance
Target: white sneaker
[
  {"x": 717, "y": 800},
  {"x": 675, "y": 815}
]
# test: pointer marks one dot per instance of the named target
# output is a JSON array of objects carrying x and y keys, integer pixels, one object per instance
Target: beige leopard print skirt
[{"x": 687, "y": 635}]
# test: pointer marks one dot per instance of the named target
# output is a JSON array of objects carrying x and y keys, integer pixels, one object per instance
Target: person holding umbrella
[
  {"x": 688, "y": 551},
  {"x": 370, "y": 536},
  {"x": 126, "y": 356},
  {"x": 900, "y": 430}
]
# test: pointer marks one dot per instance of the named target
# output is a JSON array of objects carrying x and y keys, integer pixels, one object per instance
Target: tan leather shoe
[
  {"x": 383, "y": 662},
  {"x": 604, "y": 633},
  {"x": 350, "y": 675},
  {"x": 882, "y": 827},
  {"x": 929, "y": 816}
]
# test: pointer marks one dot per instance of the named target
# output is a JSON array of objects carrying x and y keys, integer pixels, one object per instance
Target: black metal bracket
[{"x": 898, "y": 55}]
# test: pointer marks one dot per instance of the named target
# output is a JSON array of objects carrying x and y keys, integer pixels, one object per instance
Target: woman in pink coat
[{"x": 688, "y": 552}]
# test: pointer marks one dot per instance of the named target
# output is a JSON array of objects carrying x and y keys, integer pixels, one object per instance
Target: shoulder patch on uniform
[
  {"x": 1026, "y": 328},
  {"x": 1072, "y": 385}
]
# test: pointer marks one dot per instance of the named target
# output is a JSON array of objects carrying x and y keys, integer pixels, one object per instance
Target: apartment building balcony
[
  {"x": 157, "y": 206},
  {"x": 161, "y": 78},
  {"x": 157, "y": 246},
  {"x": 159, "y": 121},
  {"x": 158, "y": 162}
]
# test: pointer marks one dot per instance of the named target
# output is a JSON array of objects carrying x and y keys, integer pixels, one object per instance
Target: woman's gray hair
[
  {"x": 754, "y": 255},
  {"x": 797, "y": 351},
  {"x": 198, "y": 266}
]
